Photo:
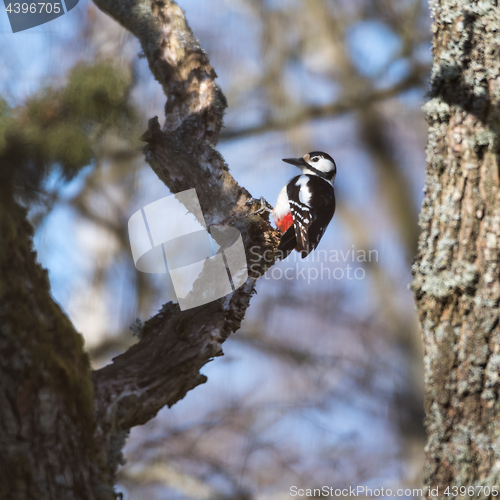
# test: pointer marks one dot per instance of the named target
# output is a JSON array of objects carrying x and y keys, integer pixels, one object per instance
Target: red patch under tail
[{"x": 284, "y": 223}]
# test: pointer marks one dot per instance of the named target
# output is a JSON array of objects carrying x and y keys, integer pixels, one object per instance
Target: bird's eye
[{"x": 315, "y": 159}]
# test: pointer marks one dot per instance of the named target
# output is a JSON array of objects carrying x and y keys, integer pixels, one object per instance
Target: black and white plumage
[{"x": 306, "y": 204}]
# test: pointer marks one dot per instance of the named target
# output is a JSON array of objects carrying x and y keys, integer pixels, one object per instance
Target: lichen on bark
[{"x": 456, "y": 272}]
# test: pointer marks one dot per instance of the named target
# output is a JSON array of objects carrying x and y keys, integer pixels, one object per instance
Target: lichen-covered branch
[
  {"x": 165, "y": 364},
  {"x": 177, "y": 61},
  {"x": 457, "y": 279}
]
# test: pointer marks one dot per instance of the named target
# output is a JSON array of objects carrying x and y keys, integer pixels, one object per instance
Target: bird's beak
[{"x": 298, "y": 162}]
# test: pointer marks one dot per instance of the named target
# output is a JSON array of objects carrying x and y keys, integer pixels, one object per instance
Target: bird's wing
[
  {"x": 312, "y": 204},
  {"x": 302, "y": 212},
  {"x": 315, "y": 232}
]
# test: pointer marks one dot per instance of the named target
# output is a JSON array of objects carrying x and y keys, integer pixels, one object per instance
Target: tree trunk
[
  {"x": 456, "y": 273},
  {"x": 46, "y": 396}
]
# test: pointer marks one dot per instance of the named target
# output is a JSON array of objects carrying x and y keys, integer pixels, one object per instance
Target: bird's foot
[{"x": 264, "y": 206}]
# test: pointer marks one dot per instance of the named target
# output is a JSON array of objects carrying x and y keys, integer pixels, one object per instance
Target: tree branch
[
  {"x": 165, "y": 364},
  {"x": 176, "y": 60},
  {"x": 346, "y": 104}
]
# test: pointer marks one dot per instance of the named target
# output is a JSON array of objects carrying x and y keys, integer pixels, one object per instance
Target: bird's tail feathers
[{"x": 287, "y": 243}]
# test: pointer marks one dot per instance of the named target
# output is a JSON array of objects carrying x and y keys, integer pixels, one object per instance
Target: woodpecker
[{"x": 306, "y": 204}]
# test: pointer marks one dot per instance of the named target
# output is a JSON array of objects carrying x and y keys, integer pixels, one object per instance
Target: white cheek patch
[
  {"x": 323, "y": 165},
  {"x": 304, "y": 192}
]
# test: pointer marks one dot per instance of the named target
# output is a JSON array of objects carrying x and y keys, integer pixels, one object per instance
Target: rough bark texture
[
  {"x": 457, "y": 280},
  {"x": 61, "y": 434},
  {"x": 46, "y": 422},
  {"x": 175, "y": 345}
]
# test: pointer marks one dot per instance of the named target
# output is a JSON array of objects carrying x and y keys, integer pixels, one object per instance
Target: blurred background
[{"x": 323, "y": 383}]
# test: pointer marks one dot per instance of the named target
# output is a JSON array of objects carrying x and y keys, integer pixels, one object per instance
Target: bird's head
[{"x": 316, "y": 163}]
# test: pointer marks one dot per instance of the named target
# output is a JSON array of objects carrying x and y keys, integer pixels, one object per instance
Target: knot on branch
[{"x": 153, "y": 133}]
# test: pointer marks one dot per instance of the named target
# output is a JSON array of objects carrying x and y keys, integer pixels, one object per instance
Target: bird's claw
[{"x": 264, "y": 206}]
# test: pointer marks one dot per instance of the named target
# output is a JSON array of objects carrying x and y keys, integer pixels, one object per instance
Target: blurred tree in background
[{"x": 321, "y": 385}]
